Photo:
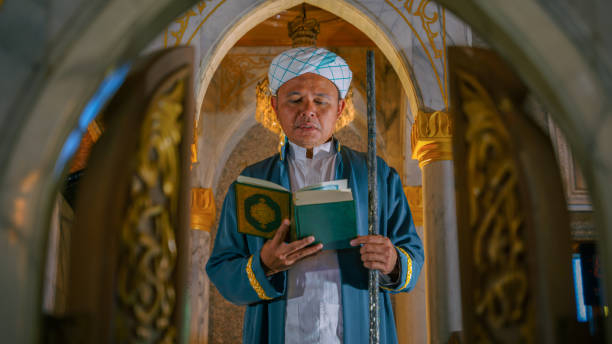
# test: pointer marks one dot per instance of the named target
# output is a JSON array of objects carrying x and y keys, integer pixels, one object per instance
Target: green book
[{"x": 325, "y": 210}]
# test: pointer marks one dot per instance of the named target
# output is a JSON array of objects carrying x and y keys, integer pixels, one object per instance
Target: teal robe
[{"x": 235, "y": 268}]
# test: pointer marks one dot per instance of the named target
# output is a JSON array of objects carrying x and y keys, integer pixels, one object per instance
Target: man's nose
[{"x": 308, "y": 108}]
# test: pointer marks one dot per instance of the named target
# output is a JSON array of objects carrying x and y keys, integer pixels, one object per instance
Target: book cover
[
  {"x": 325, "y": 210},
  {"x": 329, "y": 215},
  {"x": 260, "y": 208}
]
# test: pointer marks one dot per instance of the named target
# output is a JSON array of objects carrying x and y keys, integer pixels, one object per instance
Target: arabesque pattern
[
  {"x": 496, "y": 220},
  {"x": 146, "y": 286}
]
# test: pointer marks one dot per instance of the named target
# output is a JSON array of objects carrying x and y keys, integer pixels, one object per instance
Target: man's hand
[
  {"x": 377, "y": 253},
  {"x": 277, "y": 256}
]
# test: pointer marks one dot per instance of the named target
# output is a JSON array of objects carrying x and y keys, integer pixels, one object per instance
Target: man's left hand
[{"x": 377, "y": 253}]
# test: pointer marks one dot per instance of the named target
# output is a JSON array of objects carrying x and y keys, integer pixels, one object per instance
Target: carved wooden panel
[
  {"x": 513, "y": 227},
  {"x": 130, "y": 248}
]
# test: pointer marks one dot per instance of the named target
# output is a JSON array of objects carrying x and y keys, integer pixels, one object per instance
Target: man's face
[{"x": 307, "y": 108}]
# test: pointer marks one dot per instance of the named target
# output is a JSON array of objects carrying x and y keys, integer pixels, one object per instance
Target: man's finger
[
  {"x": 297, "y": 245},
  {"x": 303, "y": 253},
  {"x": 368, "y": 239},
  {"x": 281, "y": 232},
  {"x": 374, "y": 248},
  {"x": 374, "y": 257}
]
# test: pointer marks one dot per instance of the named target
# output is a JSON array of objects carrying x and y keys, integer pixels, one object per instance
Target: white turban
[{"x": 298, "y": 61}]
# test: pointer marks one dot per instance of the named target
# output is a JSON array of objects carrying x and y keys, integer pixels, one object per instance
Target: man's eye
[
  {"x": 295, "y": 100},
  {"x": 320, "y": 101}
]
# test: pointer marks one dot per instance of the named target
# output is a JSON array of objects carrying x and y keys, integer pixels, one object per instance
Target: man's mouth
[{"x": 307, "y": 126}]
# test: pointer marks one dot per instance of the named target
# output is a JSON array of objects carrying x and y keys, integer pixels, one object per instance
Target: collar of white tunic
[{"x": 318, "y": 152}]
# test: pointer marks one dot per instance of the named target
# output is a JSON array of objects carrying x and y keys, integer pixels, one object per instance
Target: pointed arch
[{"x": 342, "y": 9}]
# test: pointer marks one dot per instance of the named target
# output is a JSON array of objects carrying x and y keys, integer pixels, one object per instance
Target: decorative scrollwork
[
  {"x": 438, "y": 50},
  {"x": 178, "y": 33},
  {"x": 496, "y": 219},
  {"x": 148, "y": 246}
]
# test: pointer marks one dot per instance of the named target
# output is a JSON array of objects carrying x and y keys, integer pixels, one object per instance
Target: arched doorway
[{"x": 29, "y": 181}]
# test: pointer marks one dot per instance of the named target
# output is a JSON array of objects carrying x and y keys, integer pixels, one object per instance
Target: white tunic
[{"x": 314, "y": 299}]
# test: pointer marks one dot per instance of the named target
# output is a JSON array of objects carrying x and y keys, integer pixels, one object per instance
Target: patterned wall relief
[
  {"x": 239, "y": 71},
  {"x": 427, "y": 21}
]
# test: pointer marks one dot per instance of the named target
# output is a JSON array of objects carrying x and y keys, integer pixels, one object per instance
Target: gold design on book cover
[{"x": 260, "y": 211}]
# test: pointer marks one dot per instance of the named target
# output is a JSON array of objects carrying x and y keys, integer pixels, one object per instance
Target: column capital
[
  {"x": 203, "y": 210},
  {"x": 431, "y": 137}
]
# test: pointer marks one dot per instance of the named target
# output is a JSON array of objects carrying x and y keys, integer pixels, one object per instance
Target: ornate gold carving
[
  {"x": 203, "y": 210},
  {"x": 414, "y": 195},
  {"x": 148, "y": 246},
  {"x": 264, "y": 112},
  {"x": 431, "y": 137},
  {"x": 439, "y": 53},
  {"x": 183, "y": 24},
  {"x": 496, "y": 219},
  {"x": 253, "y": 281}
]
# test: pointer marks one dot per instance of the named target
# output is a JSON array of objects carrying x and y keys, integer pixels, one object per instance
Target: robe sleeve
[
  {"x": 234, "y": 268},
  {"x": 402, "y": 233}
]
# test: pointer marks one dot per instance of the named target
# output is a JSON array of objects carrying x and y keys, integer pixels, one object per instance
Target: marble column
[
  {"x": 410, "y": 308},
  {"x": 431, "y": 146},
  {"x": 203, "y": 215}
]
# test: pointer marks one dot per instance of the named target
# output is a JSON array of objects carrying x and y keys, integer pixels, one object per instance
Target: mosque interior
[{"x": 502, "y": 145}]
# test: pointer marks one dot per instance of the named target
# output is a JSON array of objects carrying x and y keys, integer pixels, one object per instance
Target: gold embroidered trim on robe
[
  {"x": 253, "y": 280},
  {"x": 408, "y": 271}
]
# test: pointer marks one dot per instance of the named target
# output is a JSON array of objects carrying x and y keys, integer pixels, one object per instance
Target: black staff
[{"x": 372, "y": 194}]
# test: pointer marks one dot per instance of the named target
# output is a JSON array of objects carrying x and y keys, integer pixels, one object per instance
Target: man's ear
[
  {"x": 341, "y": 105},
  {"x": 273, "y": 102}
]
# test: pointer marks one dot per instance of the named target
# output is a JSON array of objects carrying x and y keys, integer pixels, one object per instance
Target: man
[{"x": 295, "y": 292}]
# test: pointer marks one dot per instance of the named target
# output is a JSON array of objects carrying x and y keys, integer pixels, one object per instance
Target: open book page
[
  {"x": 322, "y": 196},
  {"x": 260, "y": 182},
  {"x": 330, "y": 185}
]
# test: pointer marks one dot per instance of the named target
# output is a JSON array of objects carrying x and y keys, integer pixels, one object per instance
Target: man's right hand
[{"x": 277, "y": 256}]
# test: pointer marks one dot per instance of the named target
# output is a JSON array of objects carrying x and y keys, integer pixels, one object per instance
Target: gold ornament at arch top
[
  {"x": 431, "y": 137},
  {"x": 496, "y": 220},
  {"x": 148, "y": 245}
]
